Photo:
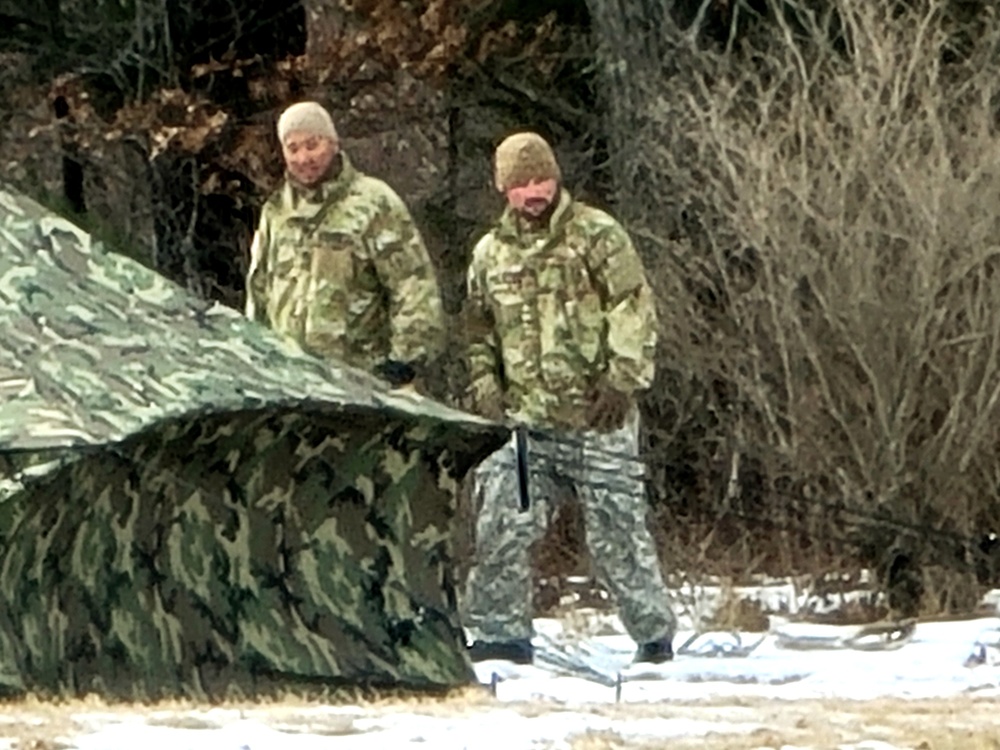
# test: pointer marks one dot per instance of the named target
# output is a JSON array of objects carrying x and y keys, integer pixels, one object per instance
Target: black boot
[
  {"x": 654, "y": 652},
  {"x": 519, "y": 651}
]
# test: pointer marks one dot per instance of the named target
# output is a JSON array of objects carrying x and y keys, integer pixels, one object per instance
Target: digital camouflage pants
[{"x": 606, "y": 477}]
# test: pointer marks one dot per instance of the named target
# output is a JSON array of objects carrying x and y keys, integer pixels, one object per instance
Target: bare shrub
[{"x": 821, "y": 206}]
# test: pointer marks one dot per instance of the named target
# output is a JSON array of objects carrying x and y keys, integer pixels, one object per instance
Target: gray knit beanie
[{"x": 308, "y": 117}]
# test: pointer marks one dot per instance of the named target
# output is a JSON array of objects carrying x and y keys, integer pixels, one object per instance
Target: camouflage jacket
[
  {"x": 552, "y": 312},
  {"x": 343, "y": 271}
]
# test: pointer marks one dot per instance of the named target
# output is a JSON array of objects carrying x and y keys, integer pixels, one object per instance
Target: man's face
[
  {"x": 534, "y": 198},
  {"x": 308, "y": 156}
]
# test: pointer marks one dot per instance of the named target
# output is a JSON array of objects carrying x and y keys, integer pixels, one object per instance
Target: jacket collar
[{"x": 514, "y": 228}]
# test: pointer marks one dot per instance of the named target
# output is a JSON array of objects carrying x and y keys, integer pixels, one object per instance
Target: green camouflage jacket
[
  {"x": 552, "y": 312},
  {"x": 343, "y": 271}
]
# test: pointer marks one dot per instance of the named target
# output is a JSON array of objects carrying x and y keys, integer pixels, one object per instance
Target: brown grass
[
  {"x": 928, "y": 725},
  {"x": 965, "y": 723}
]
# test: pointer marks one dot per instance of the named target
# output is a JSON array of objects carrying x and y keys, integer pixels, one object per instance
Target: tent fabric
[
  {"x": 95, "y": 346},
  {"x": 190, "y": 506}
]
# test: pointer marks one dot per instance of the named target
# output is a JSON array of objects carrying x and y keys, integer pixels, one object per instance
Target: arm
[
  {"x": 630, "y": 310},
  {"x": 256, "y": 281},
  {"x": 408, "y": 277},
  {"x": 485, "y": 387}
]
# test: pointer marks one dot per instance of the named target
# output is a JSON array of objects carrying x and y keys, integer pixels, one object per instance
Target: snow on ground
[
  {"x": 773, "y": 698},
  {"x": 931, "y": 665}
]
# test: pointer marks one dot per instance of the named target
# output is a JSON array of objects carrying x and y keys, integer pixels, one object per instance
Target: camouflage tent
[{"x": 190, "y": 506}]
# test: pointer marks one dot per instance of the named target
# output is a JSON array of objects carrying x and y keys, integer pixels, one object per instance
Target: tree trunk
[{"x": 631, "y": 55}]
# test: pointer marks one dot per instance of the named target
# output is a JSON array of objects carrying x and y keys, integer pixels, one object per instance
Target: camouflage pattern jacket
[
  {"x": 343, "y": 271},
  {"x": 553, "y": 311}
]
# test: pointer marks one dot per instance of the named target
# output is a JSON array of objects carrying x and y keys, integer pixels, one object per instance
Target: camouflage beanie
[
  {"x": 308, "y": 117},
  {"x": 524, "y": 157}
]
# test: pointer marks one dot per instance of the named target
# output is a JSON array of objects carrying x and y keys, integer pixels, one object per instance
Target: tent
[{"x": 191, "y": 506}]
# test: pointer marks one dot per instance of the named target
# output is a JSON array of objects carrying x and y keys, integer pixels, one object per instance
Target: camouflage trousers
[{"x": 606, "y": 478}]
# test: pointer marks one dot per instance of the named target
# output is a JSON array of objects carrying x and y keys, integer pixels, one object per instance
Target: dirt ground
[{"x": 969, "y": 723}]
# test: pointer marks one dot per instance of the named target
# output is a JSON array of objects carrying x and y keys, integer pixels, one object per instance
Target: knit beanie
[
  {"x": 308, "y": 117},
  {"x": 524, "y": 157}
]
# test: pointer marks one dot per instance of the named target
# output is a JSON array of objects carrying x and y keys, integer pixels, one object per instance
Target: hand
[
  {"x": 607, "y": 408},
  {"x": 396, "y": 372}
]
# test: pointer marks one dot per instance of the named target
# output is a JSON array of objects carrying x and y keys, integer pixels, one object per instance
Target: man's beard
[
  {"x": 542, "y": 217},
  {"x": 536, "y": 206}
]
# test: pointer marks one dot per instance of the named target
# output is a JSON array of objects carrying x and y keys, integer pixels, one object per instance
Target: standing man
[
  {"x": 562, "y": 331},
  {"x": 337, "y": 263}
]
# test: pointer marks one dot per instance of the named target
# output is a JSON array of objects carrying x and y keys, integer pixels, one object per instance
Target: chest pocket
[
  {"x": 511, "y": 292},
  {"x": 570, "y": 279},
  {"x": 333, "y": 258}
]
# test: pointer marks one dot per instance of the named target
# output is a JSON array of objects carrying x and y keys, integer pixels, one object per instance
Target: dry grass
[
  {"x": 736, "y": 612},
  {"x": 36, "y": 724},
  {"x": 964, "y": 723}
]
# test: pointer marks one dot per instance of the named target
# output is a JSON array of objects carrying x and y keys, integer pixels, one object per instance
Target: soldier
[
  {"x": 562, "y": 332},
  {"x": 337, "y": 263}
]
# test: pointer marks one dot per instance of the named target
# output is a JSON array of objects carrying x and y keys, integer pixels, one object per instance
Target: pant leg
[
  {"x": 498, "y": 592},
  {"x": 613, "y": 495}
]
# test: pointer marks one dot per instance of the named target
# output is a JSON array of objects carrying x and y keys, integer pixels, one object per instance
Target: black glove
[{"x": 396, "y": 372}]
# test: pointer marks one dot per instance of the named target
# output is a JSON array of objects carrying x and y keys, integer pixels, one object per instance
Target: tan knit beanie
[
  {"x": 524, "y": 157},
  {"x": 308, "y": 117}
]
